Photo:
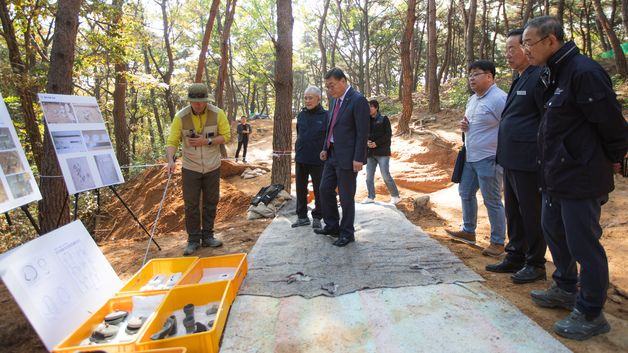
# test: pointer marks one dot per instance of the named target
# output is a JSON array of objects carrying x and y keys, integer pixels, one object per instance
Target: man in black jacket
[
  {"x": 516, "y": 153},
  {"x": 582, "y": 139},
  {"x": 311, "y": 125},
  {"x": 378, "y": 153},
  {"x": 244, "y": 132}
]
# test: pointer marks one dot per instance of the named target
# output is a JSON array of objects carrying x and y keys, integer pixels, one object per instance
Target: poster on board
[
  {"x": 59, "y": 279},
  {"x": 17, "y": 184},
  {"x": 81, "y": 141}
]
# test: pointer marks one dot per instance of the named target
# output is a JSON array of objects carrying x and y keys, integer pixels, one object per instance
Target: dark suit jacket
[
  {"x": 516, "y": 142},
  {"x": 350, "y": 130}
]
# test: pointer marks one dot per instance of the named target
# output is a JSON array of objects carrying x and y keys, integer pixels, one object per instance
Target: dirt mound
[{"x": 143, "y": 195}]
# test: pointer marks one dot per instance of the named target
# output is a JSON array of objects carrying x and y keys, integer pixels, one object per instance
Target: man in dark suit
[
  {"x": 344, "y": 153},
  {"x": 516, "y": 153}
]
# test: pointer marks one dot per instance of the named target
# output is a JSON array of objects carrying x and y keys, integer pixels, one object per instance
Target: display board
[
  {"x": 17, "y": 184},
  {"x": 81, "y": 141},
  {"x": 58, "y": 280}
]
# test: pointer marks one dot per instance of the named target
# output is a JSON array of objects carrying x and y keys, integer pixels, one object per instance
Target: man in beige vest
[{"x": 203, "y": 128}]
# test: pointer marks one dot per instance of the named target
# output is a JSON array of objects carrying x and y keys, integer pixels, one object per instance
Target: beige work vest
[{"x": 206, "y": 158}]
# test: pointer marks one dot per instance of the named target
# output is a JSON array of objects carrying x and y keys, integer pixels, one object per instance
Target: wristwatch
[{"x": 209, "y": 141}]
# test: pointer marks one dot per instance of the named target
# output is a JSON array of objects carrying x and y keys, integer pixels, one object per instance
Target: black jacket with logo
[
  {"x": 582, "y": 131},
  {"x": 311, "y": 128},
  {"x": 380, "y": 133}
]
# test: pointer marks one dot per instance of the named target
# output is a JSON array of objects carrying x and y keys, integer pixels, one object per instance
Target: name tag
[{"x": 521, "y": 93}]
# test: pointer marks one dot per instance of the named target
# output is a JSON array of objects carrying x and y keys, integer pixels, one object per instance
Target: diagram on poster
[
  {"x": 81, "y": 141},
  {"x": 17, "y": 184}
]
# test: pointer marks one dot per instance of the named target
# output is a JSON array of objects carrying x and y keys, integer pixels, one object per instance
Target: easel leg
[
  {"x": 6, "y": 214},
  {"x": 62, "y": 210},
  {"x": 76, "y": 198},
  {"x": 30, "y": 218},
  {"x": 133, "y": 215}
]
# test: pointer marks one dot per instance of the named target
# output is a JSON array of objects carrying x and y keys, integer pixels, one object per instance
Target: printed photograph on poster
[
  {"x": 58, "y": 113},
  {"x": 6, "y": 141},
  {"x": 87, "y": 113},
  {"x": 97, "y": 140},
  {"x": 3, "y": 194},
  {"x": 68, "y": 141},
  {"x": 20, "y": 185},
  {"x": 80, "y": 173},
  {"x": 106, "y": 169},
  {"x": 10, "y": 162}
]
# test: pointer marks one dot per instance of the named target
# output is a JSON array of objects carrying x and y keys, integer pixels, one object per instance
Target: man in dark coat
[
  {"x": 344, "y": 153},
  {"x": 311, "y": 126},
  {"x": 582, "y": 139}
]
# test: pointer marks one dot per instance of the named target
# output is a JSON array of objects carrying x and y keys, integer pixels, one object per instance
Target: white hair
[{"x": 315, "y": 90}]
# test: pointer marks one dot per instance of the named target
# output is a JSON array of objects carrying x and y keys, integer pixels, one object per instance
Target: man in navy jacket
[
  {"x": 582, "y": 139},
  {"x": 344, "y": 153}
]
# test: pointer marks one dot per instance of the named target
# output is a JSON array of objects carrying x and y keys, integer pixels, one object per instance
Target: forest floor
[{"x": 421, "y": 165}]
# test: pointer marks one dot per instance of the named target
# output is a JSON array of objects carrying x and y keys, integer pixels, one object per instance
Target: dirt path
[{"x": 421, "y": 164}]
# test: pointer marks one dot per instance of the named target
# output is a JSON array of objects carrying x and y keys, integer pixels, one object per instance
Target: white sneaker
[
  {"x": 394, "y": 200},
  {"x": 367, "y": 200}
]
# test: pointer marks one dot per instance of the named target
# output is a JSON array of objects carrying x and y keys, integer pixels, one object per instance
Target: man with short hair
[
  {"x": 480, "y": 126},
  {"x": 516, "y": 153},
  {"x": 582, "y": 138},
  {"x": 311, "y": 127},
  {"x": 344, "y": 153},
  {"x": 244, "y": 132},
  {"x": 203, "y": 128}
]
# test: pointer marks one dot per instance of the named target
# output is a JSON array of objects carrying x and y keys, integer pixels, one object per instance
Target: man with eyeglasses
[
  {"x": 480, "y": 126},
  {"x": 581, "y": 140},
  {"x": 516, "y": 153},
  {"x": 203, "y": 128}
]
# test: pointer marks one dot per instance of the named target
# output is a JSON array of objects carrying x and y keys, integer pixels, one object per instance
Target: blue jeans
[
  {"x": 371, "y": 165},
  {"x": 487, "y": 176}
]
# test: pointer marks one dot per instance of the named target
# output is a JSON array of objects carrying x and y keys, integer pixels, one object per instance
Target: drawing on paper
[
  {"x": 20, "y": 185},
  {"x": 81, "y": 175},
  {"x": 96, "y": 139},
  {"x": 6, "y": 140},
  {"x": 87, "y": 113},
  {"x": 106, "y": 169},
  {"x": 58, "y": 113},
  {"x": 11, "y": 163},
  {"x": 68, "y": 141}
]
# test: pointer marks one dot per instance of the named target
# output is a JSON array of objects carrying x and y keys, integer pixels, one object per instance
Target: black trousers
[
  {"x": 345, "y": 180},
  {"x": 572, "y": 230},
  {"x": 244, "y": 142},
  {"x": 195, "y": 185},
  {"x": 303, "y": 171},
  {"x": 526, "y": 244}
]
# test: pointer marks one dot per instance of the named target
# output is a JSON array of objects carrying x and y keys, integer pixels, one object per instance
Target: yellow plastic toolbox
[
  {"x": 227, "y": 267},
  {"x": 167, "y": 350},
  {"x": 176, "y": 299},
  {"x": 75, "y": 341},
  {"x": 166, "y": 267}
]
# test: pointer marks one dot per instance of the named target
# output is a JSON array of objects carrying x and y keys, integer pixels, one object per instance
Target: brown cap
[{"x": 198, "y": 92}]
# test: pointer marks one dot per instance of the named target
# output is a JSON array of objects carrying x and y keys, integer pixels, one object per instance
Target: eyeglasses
[
  {"x": 527, "y": 45},
  {"x": 474, "y": 75}
]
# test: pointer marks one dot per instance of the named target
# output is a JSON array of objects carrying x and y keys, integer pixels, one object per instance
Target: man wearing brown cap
[{"x": 203, "y": 128}]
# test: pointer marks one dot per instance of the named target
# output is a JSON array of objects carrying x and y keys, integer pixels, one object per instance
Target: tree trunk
[
  {"x": 450, "y": 30},
  {"x": 433, "y": 95},
  {"x": 560, "y": 13},
  {"x": 119, "y": 94},
  {"x": 406, "y": 71},
  {"x": 620, "y": 58},
  {"x": 624, "y": 14},
  {"x": 153, "y": 100},
  {"x": 53, "y": 190},
  {"x": 200, "y": 68},
  {"x": 26, "y": 93},
  {"x": 282, "y": 125},
  {"x": 224, "y": 52},
  {"x": 529, "y": 4},
  {"x": 367, "y": 59},
  {"x": 470, "y": 31},
  {"x": 321, "y": 42}
]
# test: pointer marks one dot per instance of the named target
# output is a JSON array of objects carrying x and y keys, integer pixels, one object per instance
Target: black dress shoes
[
  {"x": 529, "y": 274},
  {"x": 506, "y": 266},
  {"x": 325, "y": 231},
  {"x": 344, "y": 240}
]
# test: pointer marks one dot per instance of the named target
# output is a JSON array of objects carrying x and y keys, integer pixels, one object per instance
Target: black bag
[
  {"x": 459, "y": 165},
  {"x": 266, "y": 194}
]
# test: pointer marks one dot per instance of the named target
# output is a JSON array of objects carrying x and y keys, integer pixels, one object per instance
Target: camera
[
  {"x": 209, "y": 134},
  {"x": 193, "y": 134}
]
